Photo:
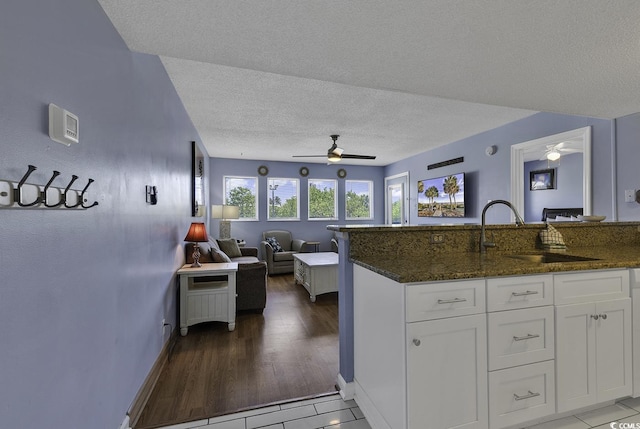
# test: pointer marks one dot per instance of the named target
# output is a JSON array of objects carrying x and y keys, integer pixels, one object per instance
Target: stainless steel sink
[{"x": 548, "y": 258}]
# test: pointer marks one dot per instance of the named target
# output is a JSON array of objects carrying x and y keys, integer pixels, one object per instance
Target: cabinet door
[
  {"x": 447, "y": 373},
  {"x": 575, "y": 356},
  {"x": 613, "y": 358}
]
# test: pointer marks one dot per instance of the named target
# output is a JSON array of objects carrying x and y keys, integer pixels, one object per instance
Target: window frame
[
  {"x": 256, "y": 196},
  {"x": 335, "y": 199},
  {"x": 283, "y": 219},
  {"x": 346, "y": 190}
]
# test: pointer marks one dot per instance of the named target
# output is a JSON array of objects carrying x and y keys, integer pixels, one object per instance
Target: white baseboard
[
  {"x": 125, "y": 423},
  {"x": 373, "y": 416},
  {"x": 347, "y": 390}
]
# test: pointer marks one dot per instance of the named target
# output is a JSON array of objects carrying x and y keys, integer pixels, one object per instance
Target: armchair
[{"x": 279, "y": 262}]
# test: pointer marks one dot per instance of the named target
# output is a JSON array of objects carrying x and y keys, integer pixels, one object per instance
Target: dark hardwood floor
[{"x": 288, "y": 352}]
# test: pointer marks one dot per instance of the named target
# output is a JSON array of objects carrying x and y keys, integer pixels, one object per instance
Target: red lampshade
[{"x": 197, "y": 232}]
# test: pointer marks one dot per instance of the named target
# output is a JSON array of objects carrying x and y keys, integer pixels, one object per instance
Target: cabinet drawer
[
  {"x": 590, "y": 286},
  {"x": 520, "y": 394},
  {"x": 509, "y": 293},
  {"x": 520, "y": 337},
  {"x": 447, "y": 299}
]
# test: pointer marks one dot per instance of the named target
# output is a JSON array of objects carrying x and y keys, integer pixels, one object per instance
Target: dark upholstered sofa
[{"x": 251, "y": 278}]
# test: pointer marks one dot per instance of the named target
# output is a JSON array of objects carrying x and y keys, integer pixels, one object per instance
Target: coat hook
[
  {"x": 43, "y": 194},
  {"x": 82, "y": 200},
  {"x": 73, "y": 179},
  {"x": 17, "y": 193}
]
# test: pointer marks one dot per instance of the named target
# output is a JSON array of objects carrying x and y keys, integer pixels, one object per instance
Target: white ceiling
[{"x": 267, "y": 79}]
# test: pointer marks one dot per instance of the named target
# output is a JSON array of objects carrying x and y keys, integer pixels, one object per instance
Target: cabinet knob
[
  {"x": 416, "y": 342},
  {"x": 603, "y": 316},
  {"x": 595, "y": 316}
]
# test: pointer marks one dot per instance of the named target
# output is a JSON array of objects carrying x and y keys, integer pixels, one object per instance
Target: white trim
[
  {"x": 347, "y": 390},
  {"x": 125, "y": 423},
  {"x": 406, "y": 196},
  {"x": 519, "y": 150},
  {"x": 371, "y": 202},
  {"x": 371, "y": 413},
  {"x": 335, "y": 199}
]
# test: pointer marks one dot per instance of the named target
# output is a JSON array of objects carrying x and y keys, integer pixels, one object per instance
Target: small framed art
[{"x": 542, "y": 179}]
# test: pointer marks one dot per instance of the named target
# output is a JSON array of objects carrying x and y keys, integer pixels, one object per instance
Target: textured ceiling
[{"x": 270, "y": 79}]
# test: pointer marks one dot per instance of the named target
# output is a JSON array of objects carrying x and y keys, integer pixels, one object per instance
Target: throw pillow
[
  {"x": 274, "y": 244},
  {"x": 219, "y": 256},
  {"x": 230, "y": 247}
]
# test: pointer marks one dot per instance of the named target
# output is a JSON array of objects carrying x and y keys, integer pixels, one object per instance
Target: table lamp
[
  {"x": 225, "y": 212},
  {"x": 197, "y": 234}
]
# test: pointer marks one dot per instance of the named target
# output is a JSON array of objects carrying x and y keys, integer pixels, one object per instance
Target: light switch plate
[{"x": 629, "y": 195}]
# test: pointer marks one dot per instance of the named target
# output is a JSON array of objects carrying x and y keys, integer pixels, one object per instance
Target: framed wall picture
[
  {"x": 197, "y": 181},
  {"x": 542, "y": 179}
]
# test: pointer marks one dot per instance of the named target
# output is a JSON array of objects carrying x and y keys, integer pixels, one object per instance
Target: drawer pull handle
[
  {"x": 526, "y": 337},
  {"x": 595, "y": 316},
  {"x": 529, "y": 292},
  {"x": 529, "y": 395},
  {"x": 451, "y": 301}
]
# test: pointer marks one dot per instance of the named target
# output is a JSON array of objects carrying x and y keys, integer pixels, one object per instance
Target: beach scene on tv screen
[{"x": 441, "y": 197}]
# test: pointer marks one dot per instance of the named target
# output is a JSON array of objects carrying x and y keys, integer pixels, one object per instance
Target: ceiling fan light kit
[
  {"x": 336, "y": 154},
  {"x": 553, "y": 155}
]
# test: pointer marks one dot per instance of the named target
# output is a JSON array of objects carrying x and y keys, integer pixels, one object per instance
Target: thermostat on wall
[{"x": 63, "y": 125}]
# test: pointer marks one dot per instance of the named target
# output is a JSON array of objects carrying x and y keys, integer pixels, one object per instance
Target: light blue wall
[
  {"x": 251, "y": 231},
  {"x": 628, "y": 165},
  {"x": 488, "y": 177},
  {"x": 568, "y": 190},
  {"x": 83, "y": 293}
]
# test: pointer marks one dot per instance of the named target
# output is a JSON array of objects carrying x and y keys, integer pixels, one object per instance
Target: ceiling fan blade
[{"x": 350, "y": 156}]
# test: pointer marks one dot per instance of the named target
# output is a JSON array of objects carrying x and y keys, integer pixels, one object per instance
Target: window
[
  {"x": 359, "y": 199},
  {"x": 242, "y": 192},
  {"x": 284, "y": 199},
  {"x": 323, "y": 202}
]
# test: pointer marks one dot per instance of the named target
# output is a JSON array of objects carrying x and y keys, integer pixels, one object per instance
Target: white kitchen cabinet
[
  {"x": 519, "y": 337},
  {"x": 521, "y": 394},
  {"x": 593, "y": 353},
  {"x": 447, "y": 363},
  {"x": 415, "y": 365}
]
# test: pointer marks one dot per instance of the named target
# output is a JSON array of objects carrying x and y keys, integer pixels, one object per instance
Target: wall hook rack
[
  {"x": 17, "y": 195},
  {"x": 17, "y": 192},
  {"x": 43, "y": 194},
  {"x": 82, "y": 200}
]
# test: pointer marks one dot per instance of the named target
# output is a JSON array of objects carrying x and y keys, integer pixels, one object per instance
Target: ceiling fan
[
  {"x": 554, "y": 151},
  {"x": 336, "y": 154}
]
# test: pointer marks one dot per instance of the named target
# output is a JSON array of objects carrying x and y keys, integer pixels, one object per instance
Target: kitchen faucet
[{"x": 483, "y": 239}]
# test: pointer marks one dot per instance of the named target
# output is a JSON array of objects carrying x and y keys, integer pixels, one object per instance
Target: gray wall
[
  {"x": 83, "y": 293},
  {"x": 627, "y": 165},
  {"x": 489, "y": 177},
  {"x": 314, "y": 230}
]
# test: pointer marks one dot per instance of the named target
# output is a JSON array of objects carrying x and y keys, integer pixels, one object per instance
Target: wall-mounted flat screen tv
[{"x": 442, "y": 196}]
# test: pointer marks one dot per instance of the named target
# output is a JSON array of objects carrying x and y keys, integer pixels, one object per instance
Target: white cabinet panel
[
  {"x": 427, "y": 301},
  {"x": 593, "y": 353},
  {"x": 510, "y": 293},
  {"x": 591, "y": 286},
  {"x": 613, "y": 341},
  {"x": 447, "y": 367},
  {"x": 520, "y": 394},
  {"x": 520, "y": 337}
]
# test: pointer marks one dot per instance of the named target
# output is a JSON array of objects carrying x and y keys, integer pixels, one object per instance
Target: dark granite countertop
[{"x": 466, "y": 265}]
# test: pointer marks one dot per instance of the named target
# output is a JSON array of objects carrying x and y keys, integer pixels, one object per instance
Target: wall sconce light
[{"x": 225, "y": 212}]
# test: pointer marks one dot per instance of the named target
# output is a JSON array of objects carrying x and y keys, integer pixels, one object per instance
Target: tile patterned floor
[
  {"x": 327, "y": 412},
  {"x": 331, "y": 412}
]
